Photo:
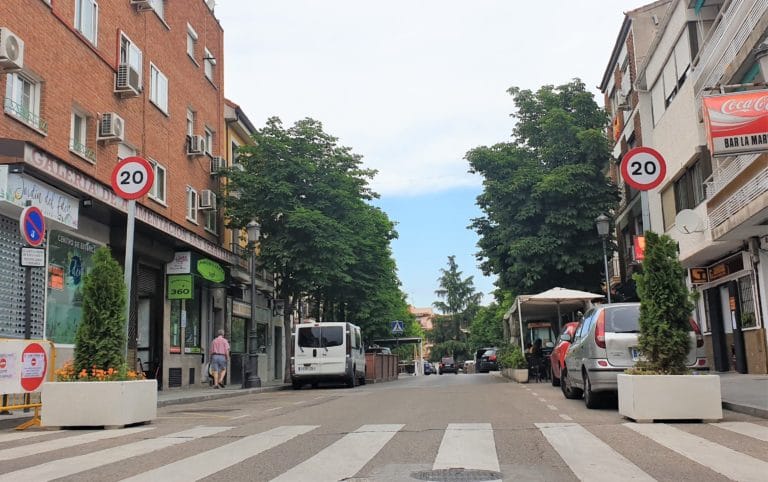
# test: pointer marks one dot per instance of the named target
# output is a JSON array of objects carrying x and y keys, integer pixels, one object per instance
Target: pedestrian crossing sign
[{"x": 398, "y": 327}]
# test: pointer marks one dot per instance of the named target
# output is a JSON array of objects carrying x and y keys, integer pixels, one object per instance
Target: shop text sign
[
  {"x": 737, "y": 122},
  {"x": 180, "y": 287}
]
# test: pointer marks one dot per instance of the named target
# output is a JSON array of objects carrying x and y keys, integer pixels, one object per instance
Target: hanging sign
[
  {"x": 736, "y": 122},
  {"x": 180, "y": 287}
]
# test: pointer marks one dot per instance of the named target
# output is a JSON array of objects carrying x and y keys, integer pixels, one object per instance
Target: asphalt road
[{"x": 449, "y": 427}]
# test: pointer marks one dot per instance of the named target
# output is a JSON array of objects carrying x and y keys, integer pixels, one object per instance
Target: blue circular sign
[{"x": 32, "y": 225}]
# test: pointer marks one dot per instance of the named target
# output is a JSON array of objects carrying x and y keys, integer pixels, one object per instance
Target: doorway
[
  {"x": 149, "y": 328},
  {"x": 278, "y": 344}
]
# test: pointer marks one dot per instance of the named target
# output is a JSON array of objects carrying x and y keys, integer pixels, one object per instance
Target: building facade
[{"x": 83, "y": 88}]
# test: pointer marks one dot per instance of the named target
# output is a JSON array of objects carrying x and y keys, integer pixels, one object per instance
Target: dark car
[
  {"x": 429, "y": 369},
  {"x": 488, "y": 362},
  {"x": 448, "y": 365}
]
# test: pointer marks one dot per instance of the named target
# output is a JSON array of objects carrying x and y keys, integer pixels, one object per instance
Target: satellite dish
[{"x": 688, "y": 222}]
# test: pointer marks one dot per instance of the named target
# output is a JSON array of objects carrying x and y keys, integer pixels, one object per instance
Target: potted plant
[
  {"x": 513, "y": 364},
  {"x": 98, "y": 388},
  {"x": 660, "y": 387}
]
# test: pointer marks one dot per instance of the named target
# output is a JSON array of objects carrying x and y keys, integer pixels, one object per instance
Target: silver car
[{"x": 605, "y": 344}]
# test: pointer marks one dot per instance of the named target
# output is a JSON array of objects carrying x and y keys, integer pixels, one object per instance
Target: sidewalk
[
  {"x": 745, "y": 393},
  {"x": 193, "y": 395}
]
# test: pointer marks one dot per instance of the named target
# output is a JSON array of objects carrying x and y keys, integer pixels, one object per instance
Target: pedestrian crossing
[{"x": 202, "y": 451}]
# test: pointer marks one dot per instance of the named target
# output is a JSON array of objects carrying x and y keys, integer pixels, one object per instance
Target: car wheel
[
  {"x": 571, "y": 393},
  {"x": 296, "y": 385},
  {"x": 591, "y": 399}
]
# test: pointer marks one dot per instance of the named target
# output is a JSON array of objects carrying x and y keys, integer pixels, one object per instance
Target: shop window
[
  {"x": 237, "y": 341},
  {"x": 192, "y": 330},
  {"x": 175, "y": 341},
  {"x": 748, "y": 317}
]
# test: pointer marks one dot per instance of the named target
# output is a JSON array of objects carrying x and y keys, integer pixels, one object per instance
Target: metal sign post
[
  {"x": 132, "y": 178},
  {"x": 32, "y": 226}
]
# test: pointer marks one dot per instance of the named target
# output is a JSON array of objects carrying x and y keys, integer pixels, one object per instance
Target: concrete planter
[
  {"x": 95, "y": 404},
  {"x": 645, "y": 398},
  {"x": 516, "y": 374}
]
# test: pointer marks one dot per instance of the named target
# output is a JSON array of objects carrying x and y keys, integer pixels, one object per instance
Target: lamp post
[
  {"x": 603, "y": 223},
  {"x": 252, "y": 378}
]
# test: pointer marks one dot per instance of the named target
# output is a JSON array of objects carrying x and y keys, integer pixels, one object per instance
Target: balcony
[
  {"x": 740, "y": 203},
  {"x": 26, "y": 116},
  {"x": 264, "y": 279},
  {"x": 82, "y": 150}
]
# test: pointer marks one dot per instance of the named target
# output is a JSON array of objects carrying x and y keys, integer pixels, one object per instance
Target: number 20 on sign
[
  {"x": 132, "y": 177},
  {"x": 643, "y": 168}
]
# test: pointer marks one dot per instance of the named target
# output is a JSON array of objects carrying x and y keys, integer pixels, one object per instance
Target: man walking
[{"x": 219, "y": 356}]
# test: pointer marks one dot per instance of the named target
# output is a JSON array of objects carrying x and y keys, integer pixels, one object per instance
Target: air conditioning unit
[
  {"x": 207, "y": 199},
  {"x": 217, "y": 164},
  {"x": 128, "y": 80},
  {"x": 11, "y": 51},
  {"x": 111, "y": 127},
  {"x": 142, "y": 4},
  {"x": 195, "y": 145}
]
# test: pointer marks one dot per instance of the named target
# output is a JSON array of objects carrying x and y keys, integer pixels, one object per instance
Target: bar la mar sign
[{"x": 736, "y": 123}]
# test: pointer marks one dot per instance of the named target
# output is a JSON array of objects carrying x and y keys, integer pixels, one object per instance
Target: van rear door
[
  {"x": 334, "y": 350},
  {"x": 307, "y": 350}
]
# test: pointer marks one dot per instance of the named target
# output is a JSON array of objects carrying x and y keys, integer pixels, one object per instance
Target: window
[
  {"x": 78, "y": 136},
  {"x": 159, "y": 7},
  {"x": 158, "y": 88},
  {"x": 22, "y": 100},
  {"x": 235, "y": 153},
  {"x": 208, "y": 63},
  {"x": 87, "y": 19},
  {"x": 673, "y": 74},
  {"x": 190, "y": 122},
  {"x": 211, "y": 219},
  {"x": 130, "y": 55},
  {"x": 191, "y": 205},
  {"x": 747, "y": 302},
  {"x": 689, "y": 188},
  {"x": 157, "y": 191},
  {"x": 194, "y": 323},
  {"x": 208, "y": 141},
  {"x": 191, "y": 41}
]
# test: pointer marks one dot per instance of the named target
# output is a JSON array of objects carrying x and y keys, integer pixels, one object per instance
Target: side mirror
[{"x": 565, "y": 337}]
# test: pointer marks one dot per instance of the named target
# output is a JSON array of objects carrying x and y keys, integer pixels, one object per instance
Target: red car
[{"x": 557, "y": 359}]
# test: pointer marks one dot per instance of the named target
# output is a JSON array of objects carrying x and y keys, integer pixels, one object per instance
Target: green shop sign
[
  {"x": 180, "y": 287},
  {"x": 210, "y": 270}
]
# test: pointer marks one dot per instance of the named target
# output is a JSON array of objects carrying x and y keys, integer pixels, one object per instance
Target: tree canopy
[{"x": 542, "y": 192}]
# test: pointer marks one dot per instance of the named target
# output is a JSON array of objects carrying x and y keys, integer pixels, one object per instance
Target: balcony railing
[
  {"x": 726, "y": 170},
  {"x": 25, "y": 115},
  {"x": 244, "y": 261},
  {"x": 82, "y": 150},
  {"x": 751, "y": 190}
]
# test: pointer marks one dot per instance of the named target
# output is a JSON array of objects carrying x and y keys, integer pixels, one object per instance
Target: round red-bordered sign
[
  {"x": 132, "y": 177},
  {"x": 34, "y": 364},
  {"x": 32, "y": 226},
  {"x": 643, "y": 168}
]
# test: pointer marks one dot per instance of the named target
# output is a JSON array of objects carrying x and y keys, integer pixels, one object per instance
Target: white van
[{"x": 327, "y": 352}]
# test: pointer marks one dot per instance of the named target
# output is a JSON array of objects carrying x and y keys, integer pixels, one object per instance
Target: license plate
[
  {"x": 310, "y": 368},
  {"x": 635, "y": 354}
]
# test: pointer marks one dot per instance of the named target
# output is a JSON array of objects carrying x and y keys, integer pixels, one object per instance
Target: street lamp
[
  {"x": 251, "y": 378},
  {"x": 603, "y": 223}
]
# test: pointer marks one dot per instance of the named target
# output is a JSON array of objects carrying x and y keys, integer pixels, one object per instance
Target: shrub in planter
[
  {"x": 665, "y": 308},
  {"x": 512, "y": 357}
]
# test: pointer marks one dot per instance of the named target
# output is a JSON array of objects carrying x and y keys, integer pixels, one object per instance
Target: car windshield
[
  {"x": 489, "y": 353},
  {"x": 447, "y": 360},
  {"x": 623, "y": 319}
]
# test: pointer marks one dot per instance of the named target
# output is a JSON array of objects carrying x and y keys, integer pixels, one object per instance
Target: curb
[
  {"x": 746, "y": 409},
  {"x": 218, "y": 394}
]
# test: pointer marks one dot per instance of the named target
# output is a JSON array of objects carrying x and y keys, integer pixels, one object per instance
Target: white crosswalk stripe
[
  {"x": 577, "y": 447},
  {"x": 745, "y": 428},
  {"x": 723, "y": 460},
  {"x": 345, "y": 457},
  {"x": 208, "y": 463},
  {"x": 73, "y": 465},
  {"x": 468, "y": 446},
  {"x": 66, "y": 442},
  {"x": 16, "y": 436}
]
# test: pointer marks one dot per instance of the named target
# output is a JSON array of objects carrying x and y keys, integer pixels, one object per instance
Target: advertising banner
[{"x": 736, "y": 123}]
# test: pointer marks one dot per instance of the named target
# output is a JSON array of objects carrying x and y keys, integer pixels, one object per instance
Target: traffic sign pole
[{"x": 128, "y": 271}]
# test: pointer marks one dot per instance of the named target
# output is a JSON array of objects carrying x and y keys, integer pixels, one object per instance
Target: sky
[{"x": 412, "y": 85}]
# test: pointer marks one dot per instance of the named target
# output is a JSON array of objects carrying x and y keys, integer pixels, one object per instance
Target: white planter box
[
  {"x": 518, "y": 375},
  {"x": 93, "y": 404},
  {"x": 645, "y": 398}
]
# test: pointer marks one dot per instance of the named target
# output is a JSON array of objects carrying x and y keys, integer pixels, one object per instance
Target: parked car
[
  {"x": 429, "y": 368},
  {"x": 605, "y": 344},
  {"x": 557, "y": 357},
  {"x": 488, "y": 362},
  {"x": 448, "y": 365},
  {"x": 469, "y": 366}
]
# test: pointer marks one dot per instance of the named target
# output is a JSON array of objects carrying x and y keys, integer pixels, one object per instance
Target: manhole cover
[{"x": 448, "y": 475}]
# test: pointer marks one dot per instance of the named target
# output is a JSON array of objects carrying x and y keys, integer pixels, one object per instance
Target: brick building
[{"x": 83, "y": 87}]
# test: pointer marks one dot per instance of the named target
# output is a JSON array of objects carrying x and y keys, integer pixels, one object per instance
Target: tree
[
  {"x": 487, "y": 329},
  {"x": 542, "y": 192},
  {"x": 665, "y": 307},
  {"x": 100, "y": 338},
  {"x": 319, "y": 234}
]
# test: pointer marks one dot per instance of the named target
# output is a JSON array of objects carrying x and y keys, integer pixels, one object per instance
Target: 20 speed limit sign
[
  {"x": 132, "y": 177},
  {"x": 643, "y": 168}
]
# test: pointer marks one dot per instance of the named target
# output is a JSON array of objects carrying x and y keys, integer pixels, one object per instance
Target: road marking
[
  {"x": 241, "y": 416},
  {"x": 299, "y": 402},
  {"x": 12, "y": 437},
  {"x": 745, "y": 428},
  {"x": 73, "y": 465},
  {"x": 577, "y": 447},
  {"x": 273, "y": 409},
  {"x": 541, "y": 399},
  {"x": 565, "y": 417},
  {"x": 551, "y": 407},
  {"x": 208, "y": 463},
  {"x": 467, "y": 445},
  {"x": 345, "y": 457},
  {"x": 725, "y": 461},
  {"x": 534, "y": 394},
  {"x": 66, "y": 442}
]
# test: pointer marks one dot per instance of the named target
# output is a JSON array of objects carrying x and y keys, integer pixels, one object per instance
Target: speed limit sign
[
  {"x": 132, "y": 177},
  {"x": 643, "y": 168}
]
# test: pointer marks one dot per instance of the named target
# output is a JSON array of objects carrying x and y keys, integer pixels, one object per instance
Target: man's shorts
[{"x": 218, "y": 363}]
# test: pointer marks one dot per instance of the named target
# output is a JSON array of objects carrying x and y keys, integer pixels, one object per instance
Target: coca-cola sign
[{"x": 737, "y": 123}]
